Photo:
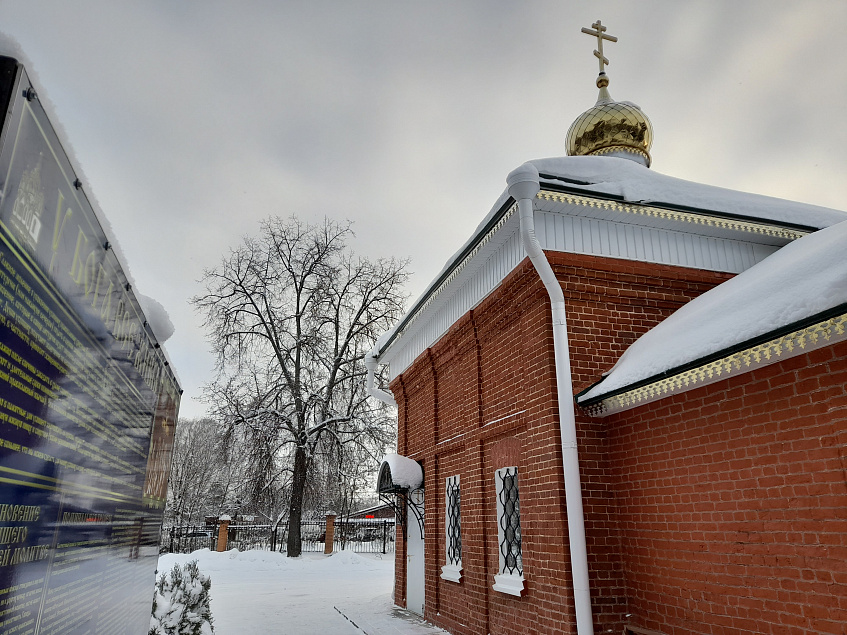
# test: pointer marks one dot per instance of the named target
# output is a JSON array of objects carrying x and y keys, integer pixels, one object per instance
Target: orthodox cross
[{"x": 598, "y": 32}]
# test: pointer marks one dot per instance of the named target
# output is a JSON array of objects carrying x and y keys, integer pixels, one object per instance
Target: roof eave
[{"x": 824, "y": 328}]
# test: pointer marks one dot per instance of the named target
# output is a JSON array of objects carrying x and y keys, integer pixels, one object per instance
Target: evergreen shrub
[{"x": 181, "y": 602}]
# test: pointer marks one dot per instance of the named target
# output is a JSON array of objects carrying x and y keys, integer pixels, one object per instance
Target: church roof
[
  {"x": 799, "y": 292},
  {"x": 627, "y": 184},
  {"x": 629, "y": 181}
]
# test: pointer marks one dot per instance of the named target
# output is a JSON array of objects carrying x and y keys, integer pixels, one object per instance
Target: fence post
[
  {"x": 384, "y": 534},
  {"x": 223, "y": 532},
  {"x": 329, "y": 536}
]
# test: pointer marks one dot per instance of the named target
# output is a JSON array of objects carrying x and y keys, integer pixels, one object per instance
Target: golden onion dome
[{"x": 617, "y": 128}]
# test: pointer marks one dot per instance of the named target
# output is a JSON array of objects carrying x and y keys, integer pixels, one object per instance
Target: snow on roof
[
  {"x": 801, "y": 280},
  {"x": 405, "y": 472},
  {"x": 638, "y": 184},
  {"x": 635, "y": 183},
  {"x": 157, "y": 317}
]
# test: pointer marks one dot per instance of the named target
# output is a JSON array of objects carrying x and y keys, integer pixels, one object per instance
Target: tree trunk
[{"x": 295, "y": 507}]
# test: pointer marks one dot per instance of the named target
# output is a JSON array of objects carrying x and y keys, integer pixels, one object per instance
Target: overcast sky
[{"x": 193, "y": 120}]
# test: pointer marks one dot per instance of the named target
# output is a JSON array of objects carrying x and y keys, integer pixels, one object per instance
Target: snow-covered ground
[{"x": 265, "y": 593}]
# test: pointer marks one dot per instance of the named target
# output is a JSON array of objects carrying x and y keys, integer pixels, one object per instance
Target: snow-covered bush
[{"x": 181, "y": 603}]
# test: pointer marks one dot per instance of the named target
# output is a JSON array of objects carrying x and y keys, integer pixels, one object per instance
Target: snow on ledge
[
  {"x": 638, "y": 184},
  {"x": 154, "y": 312},
  {"x": 634, "y": 183}
]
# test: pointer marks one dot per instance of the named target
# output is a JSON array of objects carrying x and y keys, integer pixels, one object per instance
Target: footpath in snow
[{"x": 266, "y": 593}]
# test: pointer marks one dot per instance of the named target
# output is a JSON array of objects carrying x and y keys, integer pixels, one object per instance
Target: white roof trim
[{"x": 619, "y": 192}]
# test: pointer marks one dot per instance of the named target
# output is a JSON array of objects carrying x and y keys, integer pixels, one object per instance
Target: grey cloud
[{"x": 194, "y": 120}]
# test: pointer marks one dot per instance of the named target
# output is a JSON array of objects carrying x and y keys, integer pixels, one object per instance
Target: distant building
[
  {"x": 710, "y": 482},
  {"x": 374, "y": 511}
]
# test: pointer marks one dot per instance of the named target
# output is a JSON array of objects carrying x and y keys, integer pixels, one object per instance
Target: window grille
[
  {"x": 509, "y": 521},
  {"x": 510, "y": 579},
  {"x": 454, "y": 522},
  {"x": 453, "y": 529}
]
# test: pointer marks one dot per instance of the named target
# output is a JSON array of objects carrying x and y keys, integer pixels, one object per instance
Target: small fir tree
[{"x": 181, "y": 603}]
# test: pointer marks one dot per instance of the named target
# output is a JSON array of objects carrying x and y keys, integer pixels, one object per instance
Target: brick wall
[
  {"x": 484, "y": 394},
  {"x": 732, "y": 502}
]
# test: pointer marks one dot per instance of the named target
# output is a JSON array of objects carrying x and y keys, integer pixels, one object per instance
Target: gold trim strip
[
  {"x": 667, "y": 214},
  {"x": 628, "y": 208},
  {"x": 631, "y": 150},
  {"x": 784, "y": 347}
]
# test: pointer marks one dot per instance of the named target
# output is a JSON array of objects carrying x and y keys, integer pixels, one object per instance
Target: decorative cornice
[
  {"x": 598, "y": 201},
  {"x": 611, "y": 149},
  {"x": 786, "y": 346},
  {"x": 752, "y": 227}
]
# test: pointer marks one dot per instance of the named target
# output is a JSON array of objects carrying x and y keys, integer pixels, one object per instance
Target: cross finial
[{"x": 599, "y": 33}]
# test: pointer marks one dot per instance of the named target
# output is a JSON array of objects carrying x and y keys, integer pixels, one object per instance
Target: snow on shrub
[{"x": 181, "y": 603}]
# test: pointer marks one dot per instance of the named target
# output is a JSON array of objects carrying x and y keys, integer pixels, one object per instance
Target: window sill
[
  {"x": 451, "y": 572},
  {"x": 510, "y": 584}
]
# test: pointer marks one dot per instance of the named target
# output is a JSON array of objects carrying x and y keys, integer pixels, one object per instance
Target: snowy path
[{"x": 264, "y": 593}]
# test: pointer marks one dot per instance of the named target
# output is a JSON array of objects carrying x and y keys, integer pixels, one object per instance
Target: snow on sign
[{"x": 88, "y": 403}]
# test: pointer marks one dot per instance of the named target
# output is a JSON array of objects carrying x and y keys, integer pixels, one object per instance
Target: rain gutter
[
  {"x": 523, "y": 186},
  {"x": 370, "y": 382}
]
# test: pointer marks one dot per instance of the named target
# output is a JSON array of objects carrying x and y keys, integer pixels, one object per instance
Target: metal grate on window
[
  {"x": 453, "y": 522},
  {"x": 509, "y": 508}
]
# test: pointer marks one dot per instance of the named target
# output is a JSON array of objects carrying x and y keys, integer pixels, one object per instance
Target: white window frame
[
  {"x": 510, "y": 579},
  {"x": 452, "y": 570}
]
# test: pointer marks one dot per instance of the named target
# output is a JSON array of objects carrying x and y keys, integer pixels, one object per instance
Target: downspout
[
  {"x": 523, "y": 186},
  {"x": 370, "y": 382}
]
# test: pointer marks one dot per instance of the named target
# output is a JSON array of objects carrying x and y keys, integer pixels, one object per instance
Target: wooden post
[
  {"x": 223, "y": 532},
  {"x": 329, "y": 536}
]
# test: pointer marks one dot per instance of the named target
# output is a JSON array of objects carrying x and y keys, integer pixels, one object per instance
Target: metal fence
[
  {"x": 188, "y": 538},
  {"x": 245, "y": 537},
  {"x": 370, "y": 535},
  {"x": 367, "y": 535},
  {"x": 312, "y": 536}
]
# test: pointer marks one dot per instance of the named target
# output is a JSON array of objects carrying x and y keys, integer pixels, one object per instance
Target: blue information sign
[{"x": 88, "y": 403}]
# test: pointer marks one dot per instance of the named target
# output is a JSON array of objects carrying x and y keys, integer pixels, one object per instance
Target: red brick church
[{"x": 622, "y": 406}]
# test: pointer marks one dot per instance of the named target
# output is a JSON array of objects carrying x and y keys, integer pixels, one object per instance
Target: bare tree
[
  {"x": 204, "y": 473},
  {"x": 291, "y": 314}
]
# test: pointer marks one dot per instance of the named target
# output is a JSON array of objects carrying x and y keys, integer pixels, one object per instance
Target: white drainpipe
[
  {"x": 523, "y": 186},
  {"x": 370, "y": 383}
]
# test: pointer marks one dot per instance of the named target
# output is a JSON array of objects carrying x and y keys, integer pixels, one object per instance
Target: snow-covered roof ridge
[
  {"x": 637, "y": 184},
  {"x": 632, "y": 182},
  {"x": 801, "y": 280}
]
